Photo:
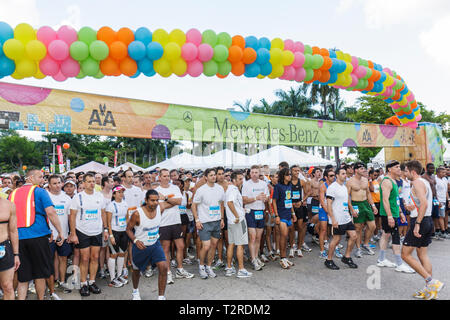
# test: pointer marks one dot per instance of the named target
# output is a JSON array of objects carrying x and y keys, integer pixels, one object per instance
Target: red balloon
[{"x": 66, "y": 146}]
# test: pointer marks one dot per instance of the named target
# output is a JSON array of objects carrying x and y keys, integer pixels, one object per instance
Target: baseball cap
[
  {"x": 118, "y": 188},
  {"x": 391, "y": 163},
  {"x": 70, "y": 182}
]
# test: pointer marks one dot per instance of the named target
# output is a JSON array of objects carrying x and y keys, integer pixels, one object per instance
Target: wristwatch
[
  {"x": 166, "y": 198},
  {"x": 417, "y": 222}
]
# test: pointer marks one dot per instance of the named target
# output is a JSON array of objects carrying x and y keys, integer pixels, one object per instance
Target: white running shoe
[
  {"x": 244, "y": 274},
  {"x": 169, "y": 278},
  {"x": 135, "y": 296},
  {"x": 291, "y": 253},
  {"x": 187, "y": 261},
  {"x": 290, "y": 263},
  {"x": 122, "y": 280},
  {"x": 262, "y": 264},
  {"x": 404, "y": 268},
  {"x": 299, "y": 253},
  {"x": 148, "y": 273},
  {"x": 386, "y": 263},
  {"x": 210, "y": 272},
  {"x": 306, "y": 248},
  {"x": 173, "y": 263},
  {"x": 256, "y": 265},
  {"x": 162, "y": 298},
  {"x": 358, "y": 253},
  {"x": 264, "y": 258},
  {"x": 202, "y": 272},
  {"x": 229, "y": 272},
  {"x": 183, "y": 274},
  {"x": 54, "y": 296}
]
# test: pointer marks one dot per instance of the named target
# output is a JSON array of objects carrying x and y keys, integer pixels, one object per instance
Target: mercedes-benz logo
[
  {"x": 331, "y": 129},
  {"x": 187, "y": 116}
]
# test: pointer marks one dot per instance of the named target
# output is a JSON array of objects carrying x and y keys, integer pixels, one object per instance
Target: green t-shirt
[{"x": 394, "y": 200}]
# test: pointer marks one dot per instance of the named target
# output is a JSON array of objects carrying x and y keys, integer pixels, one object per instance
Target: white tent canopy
[
  {"x": 182, "y": 160},
  {"x": 126, "y": 166},
  {"x": 379, "y": 158},
  {"x": 92, "y": 166},
  {"x": 228, "y": 158},
  {"x": 447, "y": 152}
]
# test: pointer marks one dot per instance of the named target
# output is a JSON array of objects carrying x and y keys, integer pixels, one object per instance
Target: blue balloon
[
  {"x": 263, "y": 56},
  {"x": 251, "y": 42},
  {"x": 7, "y": 66},
  {"x": 6, "y": 32},
  {"x": 137, "y": 50},
  {"x": 342, "y": 66},
  {"x": 145, "y": 65},
  {"x": 252, "y": 70},
  {"x": 1, "y": 50},
  {"x": 264, "y": 43},
  {"x": 333, "y": 77},
  {"x": 334, "y": 66},
  {"x": 137, "y": 74},
  {"x": 332, "y": 53},
  {"x": 154, "y": 51},
  {"x": 266, "y": 69},
  {"x": 144, "y": 35},
  {"x": 383, "y": 76}
]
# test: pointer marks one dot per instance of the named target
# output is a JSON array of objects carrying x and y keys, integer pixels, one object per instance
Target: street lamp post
[{"x": 54, "y": 141}]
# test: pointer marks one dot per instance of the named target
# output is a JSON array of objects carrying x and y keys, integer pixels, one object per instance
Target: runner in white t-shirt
[{"x": 442, "y": 197}]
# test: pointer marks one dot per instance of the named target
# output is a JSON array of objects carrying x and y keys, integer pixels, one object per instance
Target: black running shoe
[
  {"x": 330, "y": 265},
  {"x": 94, "y": 289},
  {"x": 349, "y": 262},
  {"x": 84, "y": 291}
]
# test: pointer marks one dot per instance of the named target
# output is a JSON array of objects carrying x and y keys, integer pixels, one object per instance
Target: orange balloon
[
  {"x": 327, "y": 63},
  {"x": 128, "y": 67},
  {"x": 398, "y": 77},
  {"x": 324, "y": 76},
  {"x": 414, "y": 105},
  {"x": 315, "y": 50},
  {"x": 370, "y": 64},
  {"x": 324, "y": 52},
  {"x": 396, "y": 96},
  {"x": 66, "y": 145},
  {"x": 109, "y": 67},
  {"x": 235, "y": 54},
  {"x": 238, "y": 41},
  {"x": 403, "y": 87},
  {"x": 369, "y": 86},
  {"x": 392, "y": 121},
  {"x": 221, "y": 76},
  {"x": 125, "y": 35},
  {"x": 376, "y": 75},
  {"x": 238, "y": 68},
  {"x": 107, "y": 35},
  {"x": 372, "y": 77},
  {"x": 118, "y": 50},
  {"x": 249, "y": 55},
  {"x": 317, "y": 75}
]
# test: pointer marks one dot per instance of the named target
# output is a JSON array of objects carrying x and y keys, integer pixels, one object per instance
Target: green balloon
[
  {"x": 360, "y": 84},
  {"x": 105, "y": 159},
  {"x": 99, "y": 50},
  {"x": 309, "y": 74},
  {"x": 79, "y": 50},
  {"x": 210, "y": 68},
  {"x": 99, "y": 75},
  {"x": 225, "y": 39},
  {"x": 209, "y": 37},
  {"x": 308, "y": 49},
  {"x": 224, "y": 68},
  {"x": 87, "y": 35},
  {"x": 308, "y": 61},
  {"x": 317, "y": 61},
  {"x": 368, "y": 74},
  {"x": 220, "y": 53},
  {"x": 365, "y": 63},
  {"x": 80, "y": 75},
  {"x": 90, "y": 67}
]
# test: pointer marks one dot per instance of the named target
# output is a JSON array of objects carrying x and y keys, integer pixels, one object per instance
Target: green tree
[{"x": 16, "y": 151}]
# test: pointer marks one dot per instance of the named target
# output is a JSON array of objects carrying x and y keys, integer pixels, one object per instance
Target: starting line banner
[{"x": 50, "y": 110}]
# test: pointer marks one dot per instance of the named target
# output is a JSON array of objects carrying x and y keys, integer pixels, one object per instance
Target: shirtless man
[
  {"x": 360, "y": 197},
  {"x": 9, "y": 248}
]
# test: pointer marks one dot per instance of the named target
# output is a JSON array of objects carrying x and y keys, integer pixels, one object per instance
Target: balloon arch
[{"x": 66, "y": 53}]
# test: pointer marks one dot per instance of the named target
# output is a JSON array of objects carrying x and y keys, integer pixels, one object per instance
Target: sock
[
  {"x": 180, "y": 269},
  {"x": 428, "y": 280},
  {"x": 91, "y": 282},
  {"x": 84, "y": 283},
  {"x": 135, "y": 290},
  {"x": 112, "y": 268},
  {"x": 120, "y": 265},
  {"x": 382, "y": 253},
  {"x": 161, "y": 298},
  {"x": 398, "y": 259}
]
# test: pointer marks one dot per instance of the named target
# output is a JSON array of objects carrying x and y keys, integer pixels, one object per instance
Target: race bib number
[
  {"x": 2, "y": 251},
  {"x": 259, "y": 215},
  {"x": 435, "y": 202},
  {"x": 376, "y": 188},
  {"x": 295, "y": 195},
  {"x": 59, "y": 210},
  {"x": 152, "y": 236},
  {"x": 356, "y": 208},
  {"x": 122, "y": 222},
  {"x": 214, "y": 211},
  {"x": 288, "y": 204},
  {"x": 346, "y": 207},
  {"x": 182, "y": 209},
  {"x": 91, "y": 214},
  {"x": 315, "y": 210},
  {"x": 398, "y": 201}
]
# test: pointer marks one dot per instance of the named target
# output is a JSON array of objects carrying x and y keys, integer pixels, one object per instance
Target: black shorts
[
  {"x": 63, "y": 251},
  {"x": 301, "y": 213},
  {"x": 86, "y": 241},
  {"x": 184, "y": 219},
  {"x": 343, "y": 228},
  {"x": 121, "y": 239},
  {"x": 172, "y": 232},
  {"x": 393, "y": 231},
  {"x": 6, "y": 256},
  {"x": 314, "y": 207},
  {"x": 377, "y": 205},
  {"x": 426, "y": 230},
  {"x": 36, "y": 261},
  {"x": 225, "y": 222}
]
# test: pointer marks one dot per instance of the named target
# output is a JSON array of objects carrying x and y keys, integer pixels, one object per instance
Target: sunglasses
[{"x": 331, "y": 176}]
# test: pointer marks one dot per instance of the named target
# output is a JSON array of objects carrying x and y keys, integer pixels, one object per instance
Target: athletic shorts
[
  {"x": 6, "y": 256},
  {"x": 86, "y": 241},
  {"x": 393, "y": 231},
  {"x": 64, "y": 251},
  {"x": 426, "y": 230},
  {"x": 252, "y": 221},
  {"x": 377, "y": 205},
  {"x": 237, "y": 233},
  {"x": 301, "y": 213},
  {"x": 184, "y": 219},
  {"x": 343, "y": 228},
  {"x": 209, "y": 230},
  {"x": 171, "y": 232},
  {"x": 191, "y": 227},
  {"x": 36, "y": 261},
  {"x": 151, "y": 255},
  {"x": 288, "y": 222},
  {"x": 121, "y": 239},
  {"x": 442, "y": 211},
  {"x": 270, "y": 221},
  {"x": 364, "y": 210},
  {"x": 323, "y": 215},
  {"x": 402, "y": 224},
  {"x": 435, "y": 211},
  {"x": 314, "y": 207}
]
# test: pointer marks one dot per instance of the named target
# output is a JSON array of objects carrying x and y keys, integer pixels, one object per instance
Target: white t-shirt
[
  {"x": 441, "y": 189},
  {"x": 251, "y": 189},
  {"x": 134, "y": 196},
  {"x": 148, "y": 229},
  {"x": 208, "y": 200},
  {"x": 119, "y": 215},
  {"x": 89, "y": 212},
  {"x": 339, "y": 194},
  {"x": 62, "y": 206},
  {"x": 185, "y": 200},
  {"x": 406, "y": 192},
  {"x": 170, "y": 216},
  {"x": 234, "y": 195}
]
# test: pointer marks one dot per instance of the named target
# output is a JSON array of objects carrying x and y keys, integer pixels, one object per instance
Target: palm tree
[{"x": 246, "y": 107}]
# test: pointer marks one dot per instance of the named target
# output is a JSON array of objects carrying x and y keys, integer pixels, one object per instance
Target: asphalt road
[{"x": 308, "y": 279}]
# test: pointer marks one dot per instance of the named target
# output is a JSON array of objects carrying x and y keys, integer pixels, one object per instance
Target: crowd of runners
[{"x": 66, "y": 231}]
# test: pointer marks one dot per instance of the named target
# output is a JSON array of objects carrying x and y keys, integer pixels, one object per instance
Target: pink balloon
[
  {"x": 205, "y": 52},
  {"x": 67, "y": 34},
  {"x": 289, "y": 45},
  {"x": 299, "y": 60},
  {"x": 411, "y": 124},
  {"x": 195, "y": 68},
  {"x": 58, "y": 50},
  {"x": 59, "y": 77},
  {"x": 189, "y": 51},
  {"x": 289, "y": 73},
  {"x": 48, "y": 66},
  {"x": 46, "y": 35},
  {"x": 300, "y": 74},
  {"x": 70, "y": 68},
  {"x": 388, "y": 92},
  {"x": 388, "y": 71},
  {"x": 354, "y": 80},
  {"x": 419, "y": 117},
  {"x": 194, "y": 36},
  {"x": 361, "y": 71},
  {"x": 299, "y": 47},
  {"x": 354, "y": 63}
]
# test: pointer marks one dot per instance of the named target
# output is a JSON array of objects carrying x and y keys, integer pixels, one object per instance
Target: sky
[{"x": 408, "y": 36}]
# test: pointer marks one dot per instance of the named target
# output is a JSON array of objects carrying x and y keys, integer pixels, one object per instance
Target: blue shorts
[
  {"x": 190, "y": 227},
  {"x": 151, "y": 255},
  {"x": 323, "y": 215},
  {"x": 252, "y": 222},
  {"x": 435, "y": 212},
  {"x": 442, "y": 212},
  {"x": 64, "y": 251},
  {"x": 288, "y": 222},
  {"x": 400, "y": 224}
]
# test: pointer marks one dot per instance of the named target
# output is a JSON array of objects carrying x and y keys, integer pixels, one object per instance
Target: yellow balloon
[
  {"x": 260, "y": 76},
  {"x": 276, "y": 56},
  {"x": 177, "y": 36},
  {"x": 179, "y": 67},
  {"x": 162, "y": 66},
  {"x": 172, "y": 51},
  {"x": 347, "y": 57},
  {"x": 35, "y": 50},
  {"x": 14, "y": 49},
  {"x": 340, "y": 79},
  {"x": 24, "y": 32},
  {"x": 404, "y": 120},
  {"x": 161, "y": 36},
  {"x": 349, "y": 68},
  {"x": 389, "y": 81},
  {"x": 347, "y": 81},
  {"x": 403, "y": 102},
  {"x": 287, "y": 58},
  {"x": 39, "y": 75},
  {"x": 277, "y": 71},
  {"x": 277, "y": 43},
  {"x": 26, "y": 67},
  {"x": 339, "y": 55},
  {"x": 17, "y": 75}
]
